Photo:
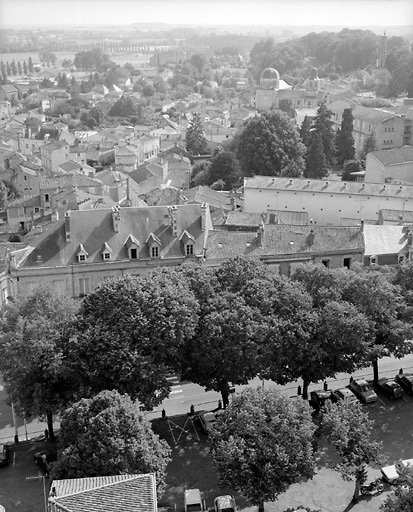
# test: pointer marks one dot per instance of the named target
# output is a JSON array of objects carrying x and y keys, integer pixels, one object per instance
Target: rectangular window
[
  {"x": 106, "y": 255},
  {"x": 189, "y": 249},
  {"x": 84, "y": 286},
  {"x": 326, "y": 263},
  {"x": 155, "y": 251},
  {"x": 401, "y": 258},
  {"x": 134, "y": 254},
  {"x": 347, "y": 262},
  {"x": 36, "y": 209},
  {"x": 82, "y": 257},
  {"x": 58, "y": 287},
  {"x": 46, "y": 198}
]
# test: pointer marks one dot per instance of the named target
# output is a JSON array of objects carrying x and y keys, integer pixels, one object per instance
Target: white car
[{"x": 390, "y": 473}]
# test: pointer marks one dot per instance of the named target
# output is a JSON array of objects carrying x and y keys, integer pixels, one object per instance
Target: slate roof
[
  {"x": 25, "y": 202},
  {"x": 395, "y": 156},
  {"x": 57, "y": 144},
  {"x": 282, "y": 240},
  {"x": 372, "y": 115},
  {"x": 94, "y": 227},
  {"x": 120, "y": 493},
  {"x": 384, "y": 239},
  {"x": 328, "y": 186}
]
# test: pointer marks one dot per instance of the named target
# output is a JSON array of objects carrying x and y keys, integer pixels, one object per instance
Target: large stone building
[
  {"x": 272, "y": 90},
  {"x": 86, "y": 247},
  {"x": 331, "y": 203}
]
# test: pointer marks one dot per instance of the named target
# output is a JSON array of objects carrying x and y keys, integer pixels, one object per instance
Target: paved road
[{"x": 185, "y": 394}]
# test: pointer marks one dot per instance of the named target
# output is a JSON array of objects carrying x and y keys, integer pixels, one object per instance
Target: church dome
[
  {"x": 270, "y": 73},
  {"x": 270, "y": 79}
]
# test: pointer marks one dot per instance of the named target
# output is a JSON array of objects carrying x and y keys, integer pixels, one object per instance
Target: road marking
[{"x": 175, "y": 391}]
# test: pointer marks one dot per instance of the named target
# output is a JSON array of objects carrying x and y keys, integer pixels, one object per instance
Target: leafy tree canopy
[
  {"x": 34, "y": 334},
  {"x": 263, "y": 444},
  {"x": 195, "y": 137},
  {"x": 269, "y": 145},
  {"x": 107, "y": 435}
]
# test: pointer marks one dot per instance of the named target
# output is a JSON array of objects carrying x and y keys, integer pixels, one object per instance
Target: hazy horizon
[{"x": 337, "y": 13}]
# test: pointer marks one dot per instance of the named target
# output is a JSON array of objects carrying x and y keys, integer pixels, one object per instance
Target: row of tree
[
  {"x": 216, "y": 327},
  {"x": 12, "y": 69}
]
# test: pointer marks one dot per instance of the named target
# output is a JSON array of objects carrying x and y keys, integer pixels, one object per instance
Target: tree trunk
[
  {"x": 305, "y": 389},
  {"x": 49, "y": 417},
  {"x": 261, "y": 507},
  {"x": 375, "y": 370},
  {"x": 356, "y": 491}
]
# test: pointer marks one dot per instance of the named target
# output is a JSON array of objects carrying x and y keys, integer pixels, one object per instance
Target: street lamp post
[{"x": 16, "y": 434}]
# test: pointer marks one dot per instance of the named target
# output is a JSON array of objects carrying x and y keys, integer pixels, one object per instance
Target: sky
[{"x": 346, "y": 13}]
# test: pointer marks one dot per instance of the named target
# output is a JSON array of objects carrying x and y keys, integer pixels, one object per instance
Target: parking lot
[
  {"x": 17, "y": 493},
  {"x": 191, "y": 467}
]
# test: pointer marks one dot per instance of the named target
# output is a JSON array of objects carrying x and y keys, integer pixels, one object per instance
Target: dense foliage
[
  {"x": 263, "y": 444},
  {"x": 195, "y": 137},
  {"x": 107, "y": 435},
  {"x": 270, "y": 145}
]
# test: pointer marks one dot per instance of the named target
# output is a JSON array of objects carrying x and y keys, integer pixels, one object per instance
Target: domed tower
[
  {"x": 270, "y": 79},
  {"x": 313, "y": 82}
]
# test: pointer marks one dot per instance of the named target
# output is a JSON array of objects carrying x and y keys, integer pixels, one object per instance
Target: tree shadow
[{"x": 366, "y": 497}]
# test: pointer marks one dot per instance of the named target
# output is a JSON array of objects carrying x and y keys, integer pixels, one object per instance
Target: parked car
[
  {"x": 225, "y": 504},
  {"x": 193, "y": 501},
  {"x": 406, "y": 382},
  {"x": 4, "y": 454},
  {"x": 390, "y": 388},
  {"x": 43, "y": 459},
  {"x": 208, "y": 419},
  {"x": 319, "y": 397},
  {"x": 343, "y": 394},
  {"x": 362, "y": 390},
  {"x": 390, "y": 474}
]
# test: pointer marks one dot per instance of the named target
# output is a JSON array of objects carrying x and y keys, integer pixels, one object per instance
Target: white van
[{"x": 193, "y": 500}]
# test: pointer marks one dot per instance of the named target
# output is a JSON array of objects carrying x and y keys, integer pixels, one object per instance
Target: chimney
[
  {"x": 116, "y": 218},
  {"x": 362, "y": 225},
  {"x": 173, "y": 214},
  {"x": 409, "y": 239},
  {"x": 67, "y": 225},
  {"x": 204, "y": 210},
  {"x": 260, "y": 233},
  {"x": 54, "y": 217}
]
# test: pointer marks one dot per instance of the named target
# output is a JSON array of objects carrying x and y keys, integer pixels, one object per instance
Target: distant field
[{"x": 121, "y": 59}]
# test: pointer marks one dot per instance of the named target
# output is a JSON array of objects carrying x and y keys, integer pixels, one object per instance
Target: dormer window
[
  {"x": 82, "y": 254},
  {"x": 132, "y": 246},
  {"x": 107, "y": 252},
  {"x": 373, "y": 260},
  {"x": 401, "y": 258},
  {"x": 188, "y": 242},
  {"x": 154, "y": 245},
  {"x": 154, "y": 251}
]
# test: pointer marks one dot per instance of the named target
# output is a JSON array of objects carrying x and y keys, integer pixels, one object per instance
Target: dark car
[
  {"x": 4, "y": 454},
  {"x": 343, "y": 395},
  {"x": 208, "y": 419},
  {"x": 390, "y": 388},
  {"x": 406, "y": 382},
  {"x": 43, "y": 459},
  {"x": 362, "y": 390},
  {"x": 320, "y": 397}
]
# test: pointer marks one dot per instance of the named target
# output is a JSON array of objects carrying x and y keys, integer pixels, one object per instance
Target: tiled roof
[
  {"x": 69, "y": 166},
  {"x": 284, "y": 240},
  {"x": 287, "y": 217},
  {"x": 397, "y": 215},
  {"x": 25, "y": 203},
  {"x": 68, "y": 180},
  {"x": 120, "y": 493},
  {"x": 203, "y": 194},
  {"x": 95, "y": 226},
  {"x": 384, "y": 239},
  {"x": 372, "y": 115},
  {"x": 57, "y": 144},
  {"x": 328, "y": 187},
  {"x": 243, "y": 219},
  {"x": 395, "y": 156}
]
